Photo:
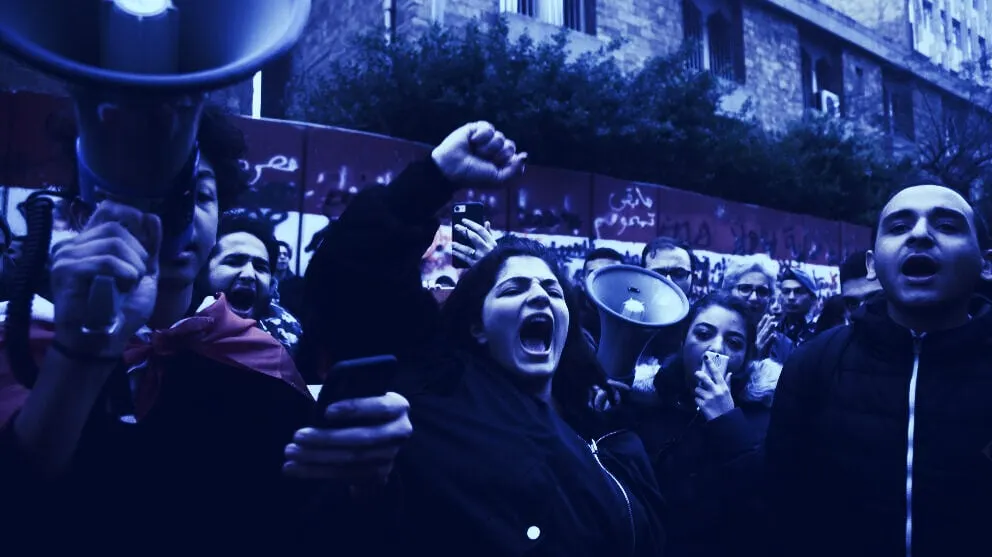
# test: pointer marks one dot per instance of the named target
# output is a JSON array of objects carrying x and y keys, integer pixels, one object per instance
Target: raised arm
[{"x": 363, "y": 287}]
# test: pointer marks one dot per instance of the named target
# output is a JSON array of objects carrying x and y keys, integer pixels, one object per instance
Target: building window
[
  {"x": 983, "y": 51},
  {"x": 578, "y": 15},
  {"x": 927, "y": 16},
  {"x": 957, "y": 36},
  {"x": 714, "y": 39},
  {"x": 821, "y": 69},
  {"x": 898, "y": 107}
]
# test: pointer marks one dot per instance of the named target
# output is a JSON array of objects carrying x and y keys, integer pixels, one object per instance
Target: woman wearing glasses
[{"x": 752, "y": 281}]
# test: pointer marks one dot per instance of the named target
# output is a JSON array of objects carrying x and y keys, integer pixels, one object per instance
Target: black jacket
[
  {"x": 490, "y": 470},
  {"x": 879, "y": 439},
  {"x": 202, "y": 470},
  {"x": 709, "y": 471}
]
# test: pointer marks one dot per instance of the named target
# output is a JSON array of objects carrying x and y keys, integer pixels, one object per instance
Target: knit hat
[{"x": 801, "y": 277}]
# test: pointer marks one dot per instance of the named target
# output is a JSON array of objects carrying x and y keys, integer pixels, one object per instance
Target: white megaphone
[
  {"x": 634, "y": 305},
  {"x": 139, "y": 72}
]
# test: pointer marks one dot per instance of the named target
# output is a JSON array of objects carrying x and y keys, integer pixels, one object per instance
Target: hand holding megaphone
[{"x": 105, "y": 280}]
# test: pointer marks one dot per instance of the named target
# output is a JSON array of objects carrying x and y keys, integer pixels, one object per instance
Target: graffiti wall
[{"x": 304, "y": 175}]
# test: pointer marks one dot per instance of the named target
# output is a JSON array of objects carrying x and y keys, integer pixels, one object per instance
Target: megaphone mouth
[
  {"x": 638, "y": 296},
  {"x": 279, "y": 36}
]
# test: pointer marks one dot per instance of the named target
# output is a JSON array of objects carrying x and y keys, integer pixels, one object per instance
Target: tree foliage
[{"x": 661, "y": 123}]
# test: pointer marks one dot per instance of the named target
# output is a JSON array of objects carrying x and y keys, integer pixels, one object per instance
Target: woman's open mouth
[{"x": 536, "y": 333}]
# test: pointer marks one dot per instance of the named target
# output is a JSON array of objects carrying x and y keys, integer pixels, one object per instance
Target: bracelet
[{"x": 83, "y": 357}]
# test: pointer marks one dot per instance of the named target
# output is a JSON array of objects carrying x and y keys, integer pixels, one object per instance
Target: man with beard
[
  {"x": 879, "y": 432},
  {"x": 240, "y": 268}
]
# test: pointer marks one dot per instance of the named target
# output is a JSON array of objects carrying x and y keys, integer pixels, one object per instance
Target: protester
[
  {"x": 239, "y": 267},
  {"x": 854, "y": 284},
  {"x": 798, "y": 294},
  {"x": 879, "y": 441},
  {"x": 703, "y": 428},
  {"x": 165, "y": 433},
  {"x": 507, "y": 457}
]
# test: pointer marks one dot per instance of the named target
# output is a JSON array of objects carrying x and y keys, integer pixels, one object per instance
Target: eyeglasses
[
  {"x": 745, "y": 290},
  {"x": 797, "y": 291},
  {"x": 674, "y": 273}
]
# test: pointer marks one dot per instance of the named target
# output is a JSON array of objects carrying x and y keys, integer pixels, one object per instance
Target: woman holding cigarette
[{"x": 703, "y": 426}]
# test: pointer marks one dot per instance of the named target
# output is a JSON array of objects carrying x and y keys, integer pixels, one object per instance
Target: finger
[
  {"x": 482, "y": 134},
  {"x": 619, "y": 385},
  {"x": 477, "y": 239},
  {"x": 125, "y": 275},
  {"x": 110, "y": 211},
  {"x": 490, "y": 149},
  {"x": 374, "y": 456},
  {"x": 391, "y": 434},
  {"x": 153, "y": 242},
  {"x": 726, "y": 378},
  {"x": 463, "y": 252},
  {"x": 506, "y": 154},
  {"x": 317, "y": 472},
  {"x": 600, "y": 401},
  {"x": 516, "y": 167},
  {"x": 125, "y": 248},
  {"x": 385, "y": 408},
  {"x": 705, "y": 380},
  {"x": 701, "y": 395},
  {"x": 474, "y": 227},
  {"x": 489, "y": 227}
]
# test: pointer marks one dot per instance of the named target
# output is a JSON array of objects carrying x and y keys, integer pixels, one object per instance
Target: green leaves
[{"x": 660, "y": 124}]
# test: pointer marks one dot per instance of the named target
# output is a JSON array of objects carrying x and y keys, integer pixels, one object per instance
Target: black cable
[{"x": 29, "y": 269}]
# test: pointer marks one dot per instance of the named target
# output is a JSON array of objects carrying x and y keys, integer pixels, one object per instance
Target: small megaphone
[
  {"x": 139, "y": 72},
  {"x": 634, "y": 305}
]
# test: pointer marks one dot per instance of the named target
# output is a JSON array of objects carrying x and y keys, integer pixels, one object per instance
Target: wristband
[{"x": 83, "y": 357}]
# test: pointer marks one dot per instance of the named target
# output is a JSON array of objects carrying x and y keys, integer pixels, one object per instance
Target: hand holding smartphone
[
  {"x": 473, "y": 211},
  {"x": 359, "y": 378},
  {"x": 716, "y": 363}
]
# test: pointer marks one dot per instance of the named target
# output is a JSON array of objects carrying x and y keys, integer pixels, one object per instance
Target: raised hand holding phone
[{"x": 712, "y": 392}]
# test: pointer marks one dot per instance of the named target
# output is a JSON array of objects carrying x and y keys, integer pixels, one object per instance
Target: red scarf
[{"x": 215, "y": 333}]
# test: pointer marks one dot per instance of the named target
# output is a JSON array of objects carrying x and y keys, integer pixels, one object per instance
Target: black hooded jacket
[
  {"x": 490, "y": 470},
  {"x": 879, "y": 440}
]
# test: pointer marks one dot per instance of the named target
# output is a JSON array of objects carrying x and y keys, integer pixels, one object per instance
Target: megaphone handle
[{"x": 103, "y": 315}]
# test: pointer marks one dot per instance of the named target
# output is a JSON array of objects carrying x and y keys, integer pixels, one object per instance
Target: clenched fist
[
  {"x": 477, "y": 154},
  {"x": 119, "y": 242}
]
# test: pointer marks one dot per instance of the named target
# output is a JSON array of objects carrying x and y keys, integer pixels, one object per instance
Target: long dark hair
[
  {"x": 672, "y": 372},
  {"x": 578, "y": 371}
]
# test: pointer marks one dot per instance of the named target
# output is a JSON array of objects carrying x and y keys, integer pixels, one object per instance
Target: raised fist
[{"x": 477, "y": 154}]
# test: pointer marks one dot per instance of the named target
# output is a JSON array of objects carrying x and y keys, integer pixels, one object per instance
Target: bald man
[{"x": 880, "y": 440}]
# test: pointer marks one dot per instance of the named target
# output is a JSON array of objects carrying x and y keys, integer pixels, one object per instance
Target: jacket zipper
[
  {"x": 594, "y": 446},
  {"x": 910, "y": 432}
]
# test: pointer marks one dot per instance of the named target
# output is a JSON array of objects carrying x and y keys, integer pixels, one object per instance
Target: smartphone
[
  {"x": 358, "y": 378},
  {"x": 473, "y": 211},
  {"x": 718, "y": 362}
]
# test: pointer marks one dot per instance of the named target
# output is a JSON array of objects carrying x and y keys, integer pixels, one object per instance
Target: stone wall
[
  {"x": 652, "y": 27},
  {"x": 863, "y": 94},
  {"x": 772, "y": 66}
]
